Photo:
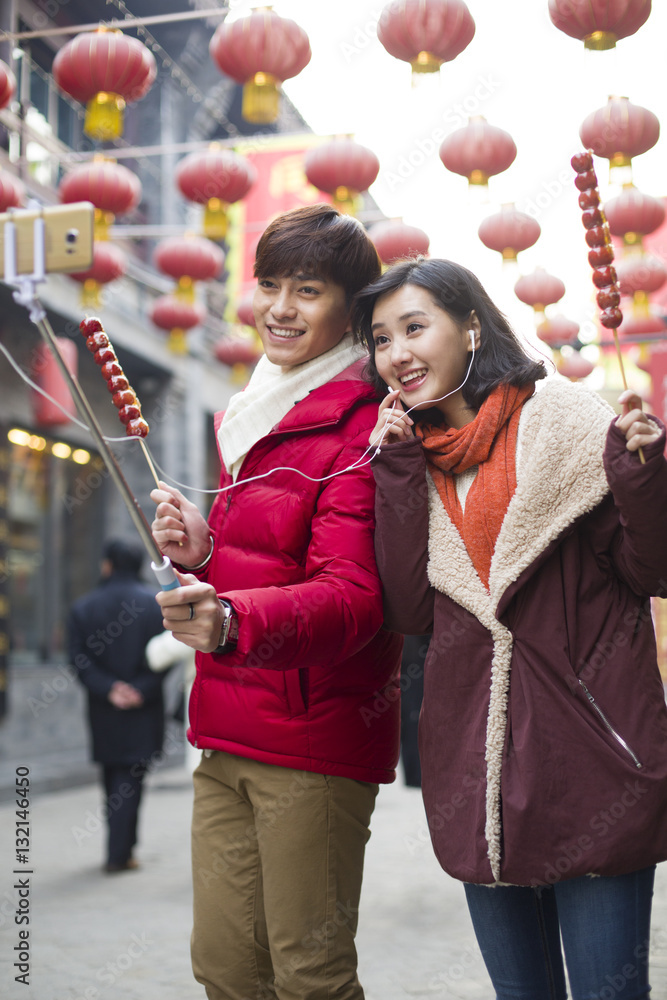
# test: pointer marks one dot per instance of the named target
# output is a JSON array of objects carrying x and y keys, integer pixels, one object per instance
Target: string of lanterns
[{"x": 108, "y": 71}]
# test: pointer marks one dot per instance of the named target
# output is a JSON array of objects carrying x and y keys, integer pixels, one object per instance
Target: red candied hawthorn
[
  {"x": 598, "y": 236},
  {"x": 589, "y": 198},
  {"x": 129, "y": 412},
  {"x": 592, "y": 217},
  {"x": 582, "y": 161},
  {"x": 601, "y": 255},
  {"x": 90, "y": 325},
  {"x": 608, "y": 297},
  {"x": 137, "y": 428},
  {"x": 586, "y": 181},
  {"x": 110, "y": 369},
  {"x": 124, "y": 397},
  {"x": 96, "y": 340},
  {"x": 104, "y": 355},
  {"x": 603, "y": 276},
  {"x": 611, "y": 318},
  {"x": 117, "y": 383}
]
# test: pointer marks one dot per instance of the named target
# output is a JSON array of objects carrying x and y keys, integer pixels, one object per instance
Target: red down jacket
[{"x": 313, "y": 683}]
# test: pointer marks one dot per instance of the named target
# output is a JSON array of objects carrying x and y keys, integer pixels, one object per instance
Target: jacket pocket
[
  {"x": 294, "y": 691},
  {"x": 611, "y": 730}
]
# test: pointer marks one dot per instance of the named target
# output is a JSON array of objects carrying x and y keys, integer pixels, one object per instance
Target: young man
[{"x": 296, "y": 698}]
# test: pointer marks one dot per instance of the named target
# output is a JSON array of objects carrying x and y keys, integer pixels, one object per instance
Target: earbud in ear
[{"x": 471, "y": 334}]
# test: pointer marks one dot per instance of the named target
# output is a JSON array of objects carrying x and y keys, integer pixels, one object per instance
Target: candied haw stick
[
  {"x": 601, "y": 253},
  {"x": 123, "y": 396}
]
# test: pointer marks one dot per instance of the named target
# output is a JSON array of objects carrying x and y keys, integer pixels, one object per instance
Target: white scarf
[{"x": 270, "y": 395}]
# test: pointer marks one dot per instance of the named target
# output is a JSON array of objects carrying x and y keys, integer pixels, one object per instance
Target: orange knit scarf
[{"x": 488, "y": 441}]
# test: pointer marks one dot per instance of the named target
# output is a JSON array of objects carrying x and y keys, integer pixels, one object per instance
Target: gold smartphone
[{"x": 68, "y": 237}]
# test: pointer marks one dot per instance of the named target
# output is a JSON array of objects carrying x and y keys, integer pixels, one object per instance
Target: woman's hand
[
  {"x": 192, "y": 613},
  {"x": 393, "y": 423},
  {"x": 180, "y": 530},
  {"x": 636, "y": 426}
]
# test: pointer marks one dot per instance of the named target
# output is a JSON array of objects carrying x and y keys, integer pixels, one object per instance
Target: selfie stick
[{"x": 26, "y": 295}]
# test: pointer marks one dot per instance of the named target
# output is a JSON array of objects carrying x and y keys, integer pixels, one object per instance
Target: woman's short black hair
[
  {"x": 500, "y": 357},
  {"x": 320, "y": 241}
]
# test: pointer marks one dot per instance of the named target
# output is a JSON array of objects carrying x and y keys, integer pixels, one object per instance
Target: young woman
[
  {"x": 516, "y": 522},
  {"x": 284, "y": 606}
]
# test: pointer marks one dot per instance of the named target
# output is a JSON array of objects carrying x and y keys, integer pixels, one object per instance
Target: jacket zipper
[{"x": 619, "y": 739}]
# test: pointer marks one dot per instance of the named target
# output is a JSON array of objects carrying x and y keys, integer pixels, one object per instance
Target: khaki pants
[{"x": 277, "y": 860}]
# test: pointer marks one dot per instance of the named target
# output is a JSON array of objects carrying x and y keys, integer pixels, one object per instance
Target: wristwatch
[{"x": 229, "y": 633}]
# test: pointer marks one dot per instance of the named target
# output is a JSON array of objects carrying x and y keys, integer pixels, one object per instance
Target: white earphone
[{"x": 472, "y": 338}]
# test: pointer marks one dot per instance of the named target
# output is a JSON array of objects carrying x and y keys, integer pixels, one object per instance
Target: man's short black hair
[{"x": 125, "y": 557}]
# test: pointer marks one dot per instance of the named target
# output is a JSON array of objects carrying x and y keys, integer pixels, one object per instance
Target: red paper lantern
[
  {"x": 425, "y": 33},
  {"x": 240, "y": 354},
  {"x": 47, "y": 375},
  {"x": 12, "y": 192},
  {"x": 260, "y": 51},
  {"x": 619, "y": 131},
  {"x": 105, "y": 70},
  {"x": 478, "y": 151},
  {"x": 574, "y": 366},
  {"x": 539, "y": 289},
  {"x": 635, "y": 326},
  {"x": 599, "y": 23},
  {"x": 394, "y": 240},
  {"x": 176, "y": 316},
  {"x": 640, "y": 273},
  {"x": 109, "y": 264},
  {"x": 215, "y": 178},
  {"x": 189, "y": 256},
  {"x": 558, "y": 330},
  {"x": 342, "y": 168},
  {"x": 237, "y": 351},
  {"x": 509, "y": 232},
  {"x": 244, "y": 310},
  {"x": 633, "y": 215},
  {"x": 112, "y": 189},
  {"x": 7, "y": 84}
]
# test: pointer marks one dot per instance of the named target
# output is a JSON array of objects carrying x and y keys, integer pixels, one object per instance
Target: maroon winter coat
[
  {"x": 543, "y": 734},
  {"x": 313, "y": 683}
]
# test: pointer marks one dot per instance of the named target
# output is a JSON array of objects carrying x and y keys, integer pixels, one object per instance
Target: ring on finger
[{"x": 192, "y": 612}]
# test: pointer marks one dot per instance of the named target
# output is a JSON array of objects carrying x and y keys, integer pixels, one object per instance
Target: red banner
[{"x": 281, "y": 185}]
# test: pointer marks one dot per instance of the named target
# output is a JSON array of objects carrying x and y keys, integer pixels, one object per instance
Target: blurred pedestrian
[
  {"x": 295, "y": 703},
  {"x": 517, "y": 522},
  {"x": 108, "y": 630}
]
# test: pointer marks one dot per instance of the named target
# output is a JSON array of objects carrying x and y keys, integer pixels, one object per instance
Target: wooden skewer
[
  {"x": 151, "y": 467},
  {"x": 150, "y": 463},
  {"x": 619, "y": 353}
]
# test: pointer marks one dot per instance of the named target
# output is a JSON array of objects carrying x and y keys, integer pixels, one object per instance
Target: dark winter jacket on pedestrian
[
  {"x": 313, "y": 683},
  {"x": 108, "y": 630},
  {"x": 543, "y": 734}
]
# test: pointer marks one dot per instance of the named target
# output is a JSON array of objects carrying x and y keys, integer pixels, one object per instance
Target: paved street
[{"x": 95, "y": 937}]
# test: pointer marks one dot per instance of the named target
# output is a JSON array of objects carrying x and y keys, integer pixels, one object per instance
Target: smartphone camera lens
[{"x": 71, "y": 237}]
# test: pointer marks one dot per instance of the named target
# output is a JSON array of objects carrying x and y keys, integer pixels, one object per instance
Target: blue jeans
[{"x": 604, "y": 923}]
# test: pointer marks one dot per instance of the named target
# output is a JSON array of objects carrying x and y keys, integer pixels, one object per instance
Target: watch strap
[{"x": 229, "y": 633}]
